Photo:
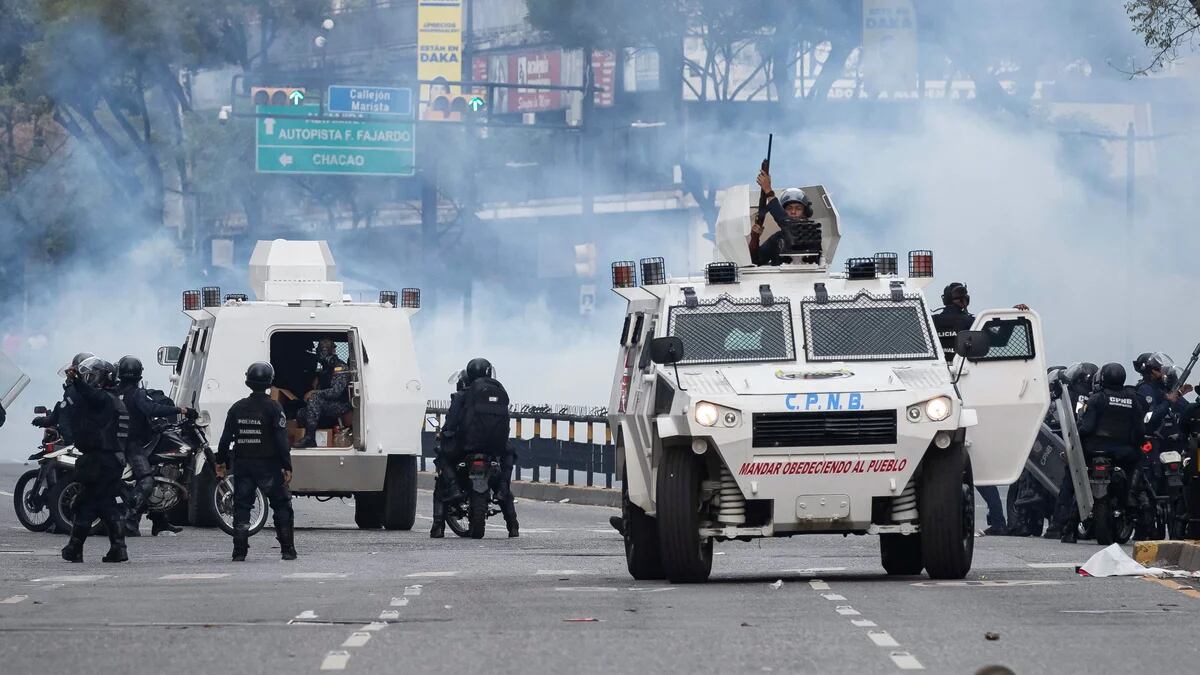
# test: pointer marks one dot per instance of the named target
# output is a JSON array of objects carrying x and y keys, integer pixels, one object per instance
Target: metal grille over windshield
[
  {"x": 733, "y": 331},
  {"x": 867, "y": 328}
]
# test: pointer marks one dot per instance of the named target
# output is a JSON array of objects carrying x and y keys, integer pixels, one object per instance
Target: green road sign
[
  {"x": 294, "y": 144},
  {"x": 476, "y": 103}
]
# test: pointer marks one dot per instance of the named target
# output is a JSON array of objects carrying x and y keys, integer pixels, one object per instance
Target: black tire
[
  {"x": 218, "y": 503},
  {"x": 642, "y": 555},
  {"x": 400, "y": 493},
  {"x": 456, "y": 519},
  {"x": 477, "y": 512},
  {"x": 1175, "y": 515},
  {"x": 686, "y": 556},
  {"x": 62, "y": 504},
  {"x": 901, "y": 554},
  {"x": 33, "y": 510},
  {"x": 946, "y": 499},
  {"x": 1126, "y": 525},
  {"x": 1102, "y": 523},
  {"x": 368, "y": 510}
]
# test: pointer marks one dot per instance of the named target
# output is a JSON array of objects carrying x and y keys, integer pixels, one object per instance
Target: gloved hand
[
  {"x": 191, "y": 413},
  {"x": 40, "y": 421}
]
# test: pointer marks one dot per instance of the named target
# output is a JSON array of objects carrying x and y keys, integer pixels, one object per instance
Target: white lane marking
[
  {"x": 833, "y": 596},
  {"x": 76, "y": 578},
  {"x": 399, "y": 602},
  {"x": 1055, "y": 566},
  {"x": 357, "y": 640},
  {"x": 6, "y": 494},
  {"x": 424, "y": 517},
  {"x": 906, "y": 661},
  {"x": 548, "y": 573},
  {"x": 50, "y": 587},
  {"x": 307, "y": 614},
  {"x": 315, "y": 575},
  {"x": 203, "y": 575},
  {"x": 818, "y": 585},
  {"x": 586, "y": 589},
  {"x": 417, "y": 575},
  {"x": 863, "y": 623},
  {"x": 12, "y": 600},
  {"x": 373, "y": 627},
  {"x": 389, "y": 615},
  {"x": 814, "y": 570},
  {"x": 882, "y": 638},
  {"x": 412, "y": 590},
  {"x": 335, "y": 661},
  {"x": 847, "y": 610},
  {"x": 988, "y": 583}
]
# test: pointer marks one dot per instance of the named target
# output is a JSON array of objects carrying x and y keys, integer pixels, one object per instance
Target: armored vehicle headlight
[
  {"x": 731, "y": 418},
  {"x": 706, "y": 414},
  {"x": 938, "y": 409},
  {"x": 914, "y": 413}
]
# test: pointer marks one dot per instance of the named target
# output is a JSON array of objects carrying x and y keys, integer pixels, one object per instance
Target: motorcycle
[
  {"x": 31, "y": 495},
  {"x": 1112, "y": 519},
  {"x": 477, "y": 476},
  {"x": 1159, "y": 490},
  {"x": 173, "y": 468}
]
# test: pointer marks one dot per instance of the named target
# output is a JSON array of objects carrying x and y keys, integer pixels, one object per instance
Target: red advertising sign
[
  {"x": 534, "y": 68},
  {"x": 604, "y": 70}
]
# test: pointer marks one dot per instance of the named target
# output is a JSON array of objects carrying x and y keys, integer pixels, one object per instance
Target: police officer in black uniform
[
  {"x": 1111, "y": 424},
  {"x": 256, "y": 428},
  {"x": 480, "y": 425},
  {"x": 332, "y": 395},
  {"x": 101, "y": 429},
  {"x": 141, "y": 410},
  {"x": 60, "y": 416},
  {"x": 445, "y": 487},
  {"x": 791, "y": 205}
]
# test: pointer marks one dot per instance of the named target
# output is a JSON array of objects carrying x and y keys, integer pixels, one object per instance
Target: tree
[{"x": 1165, "y": 26}]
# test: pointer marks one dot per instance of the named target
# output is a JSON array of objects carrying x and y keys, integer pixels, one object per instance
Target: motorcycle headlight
[
  {"x": 706, "y": 414},
  {"x": 938, "y": 409}
]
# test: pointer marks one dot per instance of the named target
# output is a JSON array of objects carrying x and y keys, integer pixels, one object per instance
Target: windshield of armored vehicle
[
  {"x": 734, "y": 331},
  {"x": 867, "y": 328}
]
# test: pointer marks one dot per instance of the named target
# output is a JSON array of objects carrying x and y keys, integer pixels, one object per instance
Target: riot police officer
[
  {"x": 101, "y": 427},
  {"x": 60, "y": 416},
  {"x": 791, "y": 204},
  {"x": 480, "y": 425},
  {"x": 332, "y": 395},
  {"x": 256, "y": 428},
  {"x": 1081, "y": 384},
  {"x": 1154, "y": 391},
  {"x": 445, "y": 487},
  {"x": 141, "y": 410},
  {"x": 1111, "y": 424}
]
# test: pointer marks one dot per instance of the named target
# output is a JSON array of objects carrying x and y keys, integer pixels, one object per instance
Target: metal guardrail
[{"x": 585, "y": 451}]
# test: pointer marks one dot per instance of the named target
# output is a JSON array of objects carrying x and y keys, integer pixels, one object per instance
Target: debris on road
[
  {"x": 582, "y": 620},
  {"x": 777, "y": 585},
  {"x": 1113, "y": 561},
  {"x": 991, "y": 636}
]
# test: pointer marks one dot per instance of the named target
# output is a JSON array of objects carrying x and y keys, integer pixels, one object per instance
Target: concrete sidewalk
[
  {"x": 549, "y": 492},
  {"x": 1184, "y": 555}
]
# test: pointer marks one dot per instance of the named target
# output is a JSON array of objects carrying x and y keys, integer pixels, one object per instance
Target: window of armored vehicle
[
  {"x": 728, "y": 330},
  {"x": 644, "y": 360},
  {"x": 1009, "y": 339},
  {"x": 864, "y": 327}
]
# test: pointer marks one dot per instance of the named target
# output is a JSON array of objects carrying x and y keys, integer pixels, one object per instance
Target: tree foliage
[{"x": 1165, "y": 26}]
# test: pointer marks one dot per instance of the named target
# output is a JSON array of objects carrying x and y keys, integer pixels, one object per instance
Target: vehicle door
[
  {"x": 355, "y": 361},
  {"x": 193, "y": 358},
  {"x": 1007, "y": 390}
]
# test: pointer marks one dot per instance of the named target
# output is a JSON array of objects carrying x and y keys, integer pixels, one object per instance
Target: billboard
[
  {"x": 439, "y": 57},
  {"x": 889, "y": 51}
]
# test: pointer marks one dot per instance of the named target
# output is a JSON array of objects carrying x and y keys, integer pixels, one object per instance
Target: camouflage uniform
[{"x": 332, "y": 399}]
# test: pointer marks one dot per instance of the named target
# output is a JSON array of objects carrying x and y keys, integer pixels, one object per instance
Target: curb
[
  {"x": 1184, "y": 555},
  {"x": 548, "y": 492}
]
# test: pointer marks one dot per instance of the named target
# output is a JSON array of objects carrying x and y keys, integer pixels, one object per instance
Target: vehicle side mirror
[
  {"x": 40, "y": 410},
  {"x": 666, "y": 350},
  {"x": 168, "y": 356},
  {"x": 972, "y": 344}
]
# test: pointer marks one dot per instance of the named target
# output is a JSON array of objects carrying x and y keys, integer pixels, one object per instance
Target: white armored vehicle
[
  {"x": 775, "y": 401},
  {"x": 369, "y": 452}
]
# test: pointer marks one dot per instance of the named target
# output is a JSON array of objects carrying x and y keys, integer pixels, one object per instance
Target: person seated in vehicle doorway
[
  {"x": 480, "y": 425},
  {"x": 331, "y": 398},
  {"x": 255, "y": 438},
  {"x": 791, "y": 204},
  {"x": 141, "y": 410},
  {"x": 1110, "y": 425},
  {"x": 444, "y": 478}
]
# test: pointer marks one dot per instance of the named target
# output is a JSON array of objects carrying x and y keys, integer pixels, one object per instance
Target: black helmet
[
  {"x": 477, "y": 368},
  {"x": 98, "y": 372},
  {"x": 1158, "y": 361},
  {"x": 1139, "y": 364},
  {"x": 1081, "y": 377},
  {"x": 80, "y": 358},
  {"x": 955, "y": 291},
  {"x": 1112, "y": 375},
  {"x": 796, "y": 195},
  {"x": 260, "y": 375},
  {"x": 129, "y": 368}
]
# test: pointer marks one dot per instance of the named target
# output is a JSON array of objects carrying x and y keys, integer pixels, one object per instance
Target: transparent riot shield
[
  {"x": 1076, "y": 462},
  {"x": 12, "y": 381}
]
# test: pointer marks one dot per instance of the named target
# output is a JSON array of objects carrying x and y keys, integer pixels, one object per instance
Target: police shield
[{"x": 12, "y": 381}]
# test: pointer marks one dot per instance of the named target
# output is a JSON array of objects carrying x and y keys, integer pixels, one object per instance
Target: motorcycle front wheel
[
  {"x": 456, "y": 518},
  {"x": 62, "y": 504},
  {"x": 477, "y": 513},
  {"x": 220, "y": 506},
  {"x": 31, "y": 502}
]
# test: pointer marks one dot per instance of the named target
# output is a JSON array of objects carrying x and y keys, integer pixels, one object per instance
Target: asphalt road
[{"x": 558, "y": 600}]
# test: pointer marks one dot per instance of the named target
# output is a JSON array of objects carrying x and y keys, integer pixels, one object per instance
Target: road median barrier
[
  {"x": 1184, "y": 555},
  {"x": 549, "y": 492}
]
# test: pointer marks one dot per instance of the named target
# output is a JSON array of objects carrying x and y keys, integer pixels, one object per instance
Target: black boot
[
  {"x": 117, "y": 553},
  {"x": 510, "y": 517},
  {"x": 438, "y": 530},
  {"x": 286, "y": 534},
  {"x": 162, "y": 524},
  {"x": 451, "y": 492},
  {"x": 133, "y": 523},
  {"x": 1070, "y": 531},
  {"x": 241, "y": 542},
  {"x": 73, "y": 551},
  {"x": 617, "y": 523}
]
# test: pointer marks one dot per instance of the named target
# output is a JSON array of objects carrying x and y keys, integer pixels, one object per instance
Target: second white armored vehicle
[
  {"x": 371, "y": 451},
  {"x": 794, "y": 399}
]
